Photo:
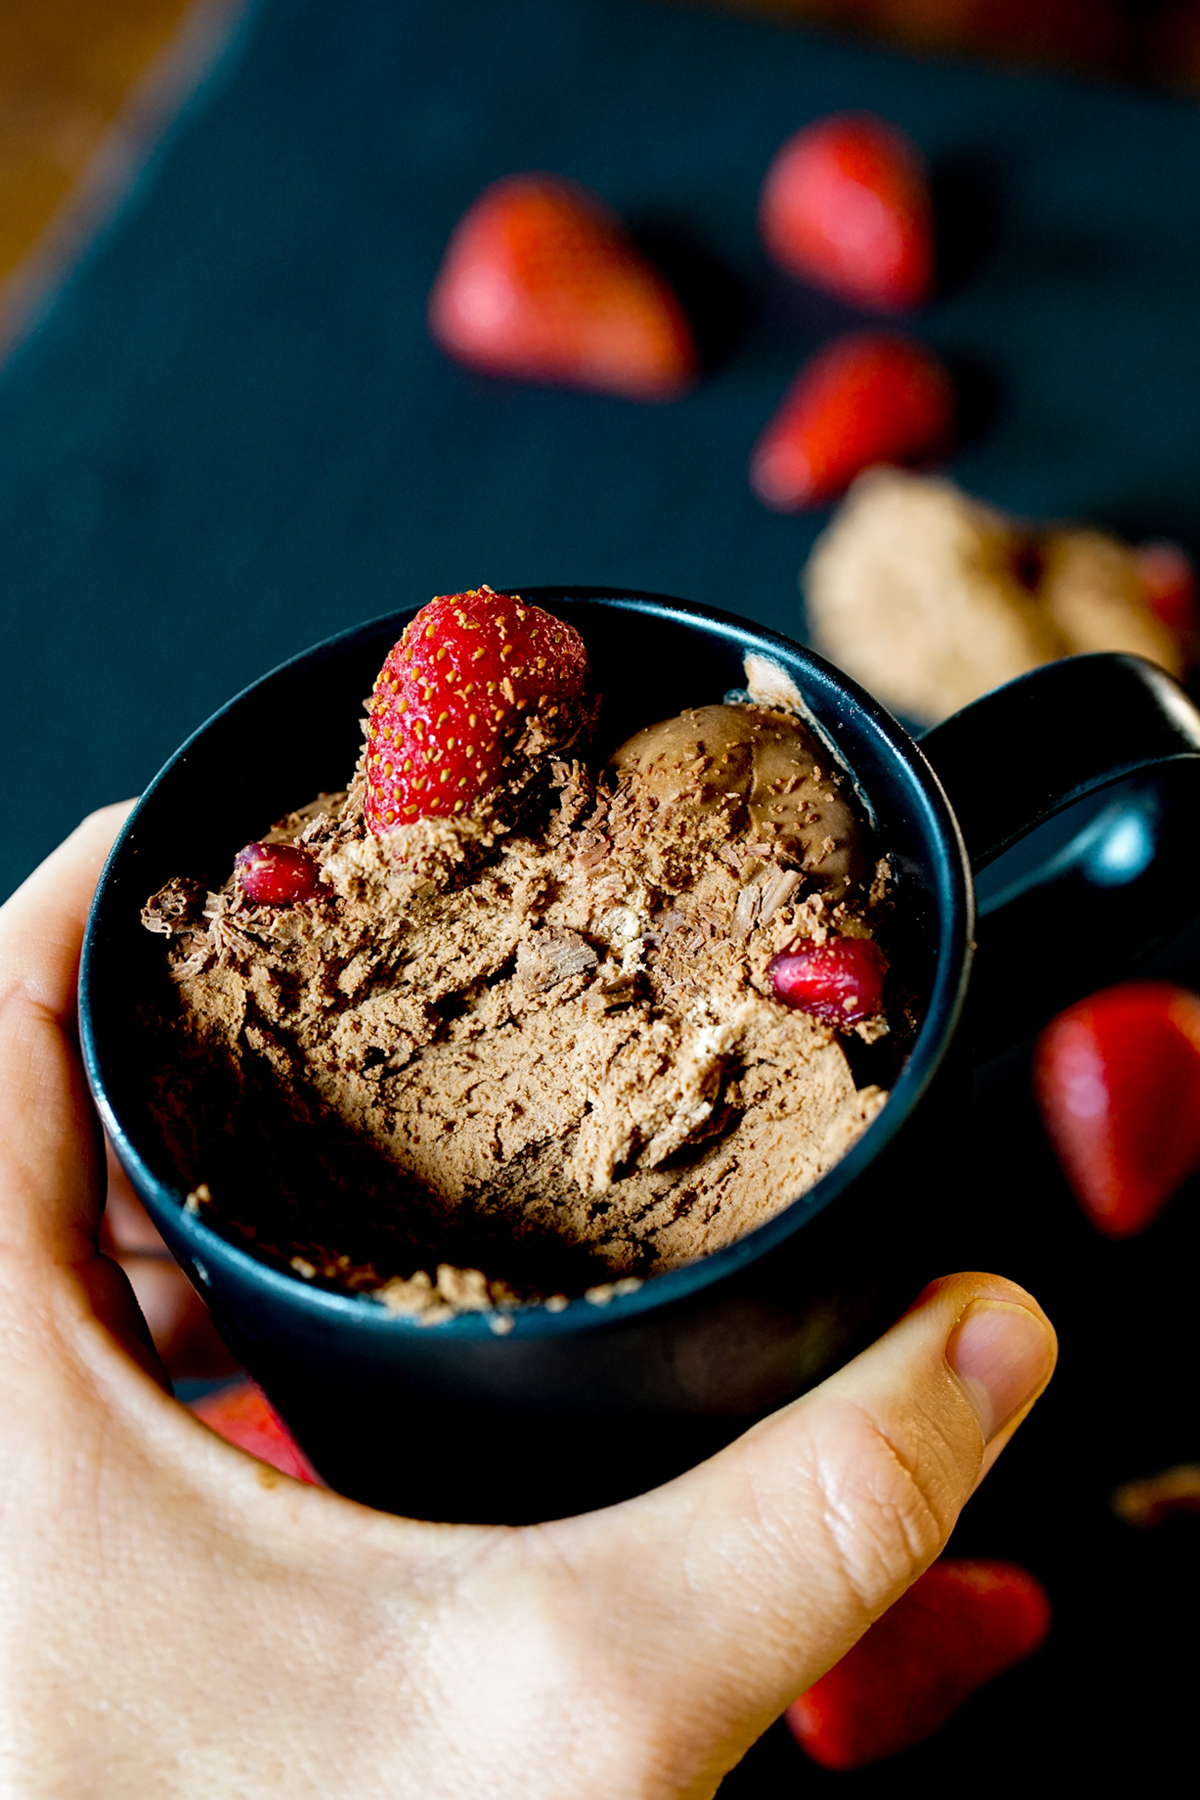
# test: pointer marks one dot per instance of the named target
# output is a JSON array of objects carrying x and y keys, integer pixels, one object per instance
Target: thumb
[{"x": 753, "y": 1574}]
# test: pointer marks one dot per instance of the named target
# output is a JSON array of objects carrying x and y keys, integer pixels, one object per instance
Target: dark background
[{"x": 228, "y": 436}]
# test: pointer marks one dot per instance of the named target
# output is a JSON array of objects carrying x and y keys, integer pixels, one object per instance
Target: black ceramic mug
[{"x": 573, "y": 1409}]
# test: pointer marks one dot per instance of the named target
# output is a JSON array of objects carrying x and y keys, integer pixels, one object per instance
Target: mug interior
[{"x": 297, "y": 733}]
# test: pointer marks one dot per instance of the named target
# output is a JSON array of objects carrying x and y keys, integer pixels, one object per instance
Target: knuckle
[{"x": 887, "y": 1510}]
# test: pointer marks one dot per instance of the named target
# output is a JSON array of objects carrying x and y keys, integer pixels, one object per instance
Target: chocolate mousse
[{"x": 534, "y": 1048}]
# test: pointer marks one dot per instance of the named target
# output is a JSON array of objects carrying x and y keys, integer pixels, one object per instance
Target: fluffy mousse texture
[
  {"x": 533, "y": 1050},
  {"x": 930, "y": 598}
]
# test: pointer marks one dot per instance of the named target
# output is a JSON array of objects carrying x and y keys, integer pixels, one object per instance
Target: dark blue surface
[{"x": 231, "y": 436}]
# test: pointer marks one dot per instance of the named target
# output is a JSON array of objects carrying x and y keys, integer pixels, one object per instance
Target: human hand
[
  {"x": 178, "y": 1618},
  {"x": 184, "y": 1335}
]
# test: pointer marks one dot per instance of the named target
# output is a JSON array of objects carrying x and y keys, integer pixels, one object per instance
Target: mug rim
[{"x": 955, "y": 915}]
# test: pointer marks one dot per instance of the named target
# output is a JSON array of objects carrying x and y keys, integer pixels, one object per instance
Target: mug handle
[{"x": 1030, "y": 750}]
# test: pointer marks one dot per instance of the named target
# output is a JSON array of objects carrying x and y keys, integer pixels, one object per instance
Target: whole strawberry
[
  {"x": 846, "y": 205},
  {"x": 1117, "y": 1078},
  {"x": 541, "y": 283},
  {"x": 961, "y": 1624},
  {"x": 457, "y": 688},
  {"x": 869, "y": 397}
]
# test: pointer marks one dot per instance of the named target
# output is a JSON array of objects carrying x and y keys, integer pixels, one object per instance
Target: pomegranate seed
[
  {"x": 840, "y": 982},
  {"x": 276, "y": 874}
]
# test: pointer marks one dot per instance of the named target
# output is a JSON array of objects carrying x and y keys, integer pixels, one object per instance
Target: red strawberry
[
  {"x": 276, "y": 874},
  {"x": 242, "y": 1415},
  {"x": 1169, "y": 585},
  {"x": 962, "y": 1623},
  {"x": 840, "y": 981},
  {"x": 866, "y": 398},
  {"x": 540, "y": 282},
  {"x": 845, "y": 205},
  {"x": 452, "y": 694},
  {"x": 1117, "y": 1078}
]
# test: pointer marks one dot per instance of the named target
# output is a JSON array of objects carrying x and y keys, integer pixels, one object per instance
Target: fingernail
[{"x": 1002, "y": 1354}]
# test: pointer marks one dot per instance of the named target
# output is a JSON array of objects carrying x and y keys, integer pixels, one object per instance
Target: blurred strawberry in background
[
  {"x": 846, "y": 206},
  {"x": 869, "y": 397},
  {"x": 960, "y": 1625},
  {"x": 1169, "y": 584},
  {"x": 541, "y": 283},
  {"x": 1117, "y": 1079},
  {"x": 242, "y": 1415}
]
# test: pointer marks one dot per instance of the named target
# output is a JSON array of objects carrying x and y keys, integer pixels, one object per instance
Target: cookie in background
[{"x": 930, "y": 597}]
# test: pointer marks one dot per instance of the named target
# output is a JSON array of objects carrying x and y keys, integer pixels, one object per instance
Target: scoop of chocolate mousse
[
  {"x": 722, "y": 773},
  {"x": 502, "y": 1062}
]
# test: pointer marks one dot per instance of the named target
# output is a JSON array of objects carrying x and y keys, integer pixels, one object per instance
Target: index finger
[{"x": 51, "y": 1164}]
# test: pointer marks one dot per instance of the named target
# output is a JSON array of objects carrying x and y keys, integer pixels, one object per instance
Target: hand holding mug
[{"x": 179, "y": 1618}]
